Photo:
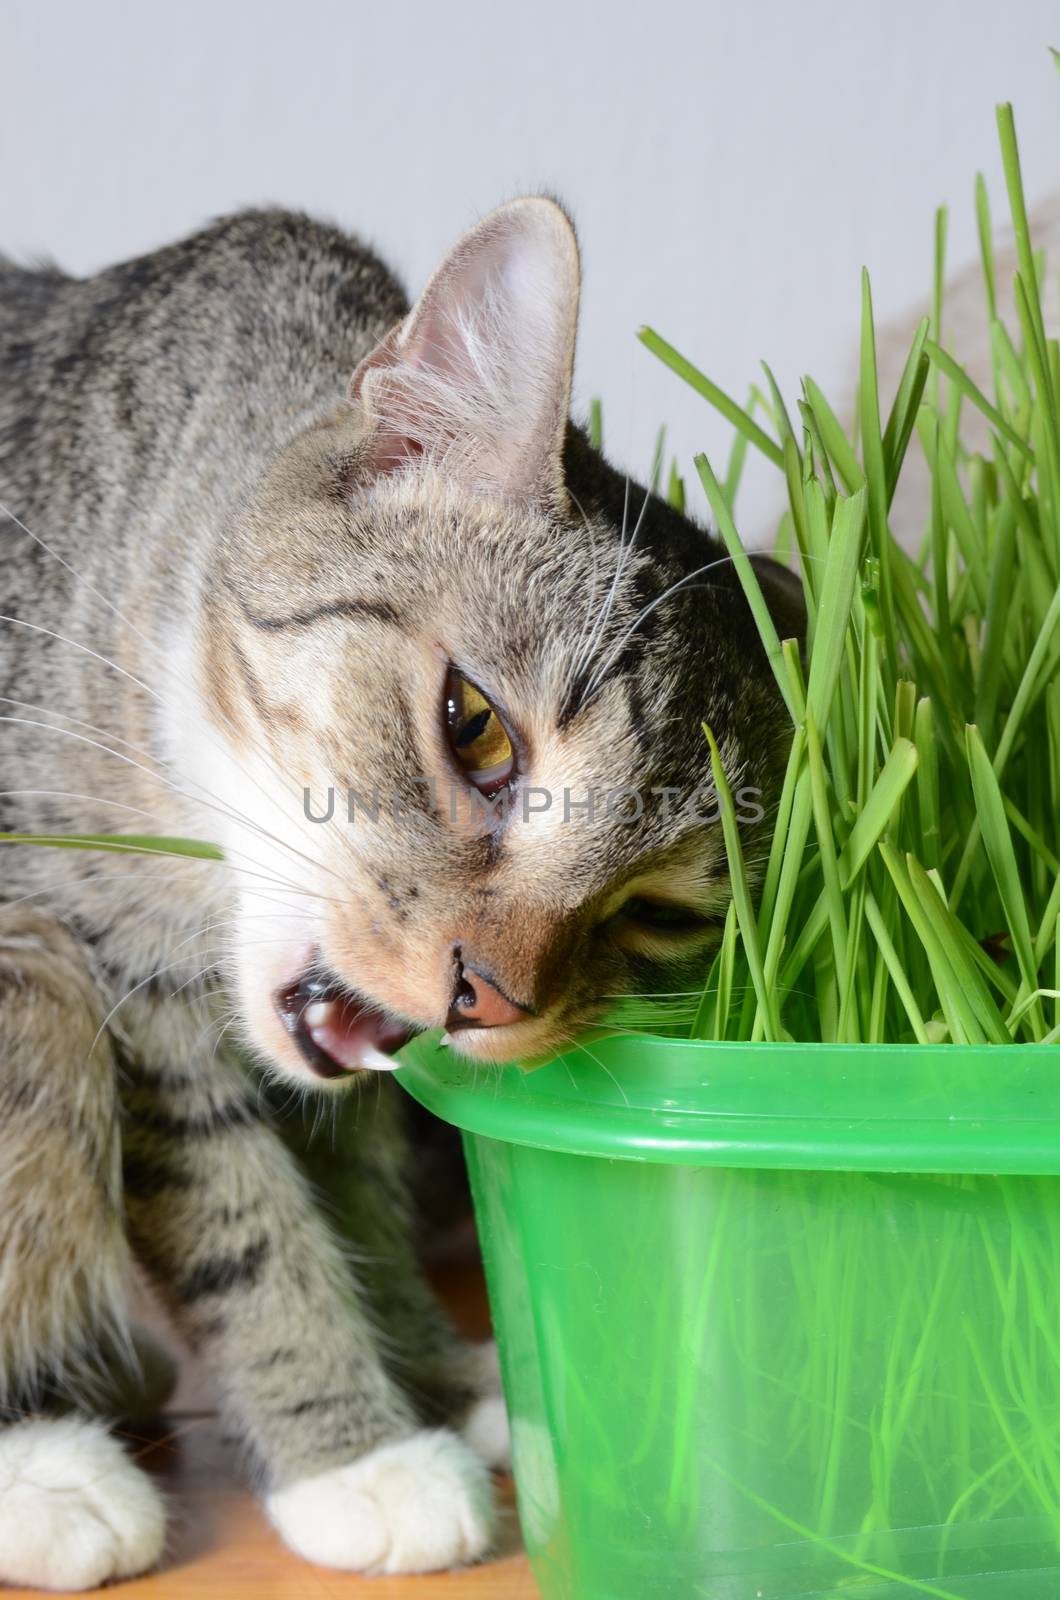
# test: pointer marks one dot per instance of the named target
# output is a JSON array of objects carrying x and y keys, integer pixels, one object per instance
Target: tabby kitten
[{"x": 235, "y": 582}]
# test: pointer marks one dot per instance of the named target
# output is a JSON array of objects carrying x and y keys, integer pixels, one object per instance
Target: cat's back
[
  {"x": 136, "y": 406},
  {"x": 262, "y": 314}
]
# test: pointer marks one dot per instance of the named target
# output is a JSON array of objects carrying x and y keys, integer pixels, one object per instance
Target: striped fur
[{"x": 228, "y": 577}]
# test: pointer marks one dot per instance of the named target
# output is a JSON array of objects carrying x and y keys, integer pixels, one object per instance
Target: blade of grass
[
  {"x": 1021, "y": 1010},
  {"x": 657, "y": 459},
  {"x": 1045, "y": 855},
  {"x": 895, "y": 968},
  {"x": 958, "y": 376},
  {"x": 1044, "y": 428},
  {"x": 840, "y": 451},
  {"x": 990, "y": 810},
  {"x": 780, "y": 849},
  {"x": 836, "y": 598},
  {"x": 746, "y": 574},
  {"x": 959, "y": 518},
  {"x": 675, "y": 489},
  {"x": 928, "y": 783},
  {"x": 710, "y": 391},
  {"x": 793, "y": 473},
  {"x": 818, "y": 452},
  {"x": 780, "y": 410},
  {"x": 1000, "y": 586},
  {"x": 966, "y": 973},
  {"x": 712, "y": 1014},
  {"x": 938, "y": 278},
  {"x": 809, "y": 935},
  {"x": 737, "y": 458},
  {"x": 819, "y": 519},
  {"x": 1047, "y": 927},
  {"x": 1010, "y": 160},
  {"x": 136, "y": 844},
  {"x": 872, "y": 453},
  {"x": 837, "y": 918},
  {"x": 986, "y": 244},
  {"x": 741, "y": 892},
  {"x": 900, "y": 423},
  {"x": 959, "y": 1015},
  {"x": 1031, "y": 684},
  {"x": 1007, "y": 365},
  {"x": 894, "y": 779}
]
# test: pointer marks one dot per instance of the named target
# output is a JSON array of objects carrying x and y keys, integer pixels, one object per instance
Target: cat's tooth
[
  {"x": 370, "y": 1057},
  {"x": 317, "y": 1014}
]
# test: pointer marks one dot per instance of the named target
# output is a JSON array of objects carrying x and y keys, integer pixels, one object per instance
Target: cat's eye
[
  {"x": 478, "y": 738},
  {"x": 664, "y": 916}
]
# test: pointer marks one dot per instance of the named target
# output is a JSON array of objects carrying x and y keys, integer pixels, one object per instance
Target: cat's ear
[
  {"x": 477, "y": 377},
  {"x": 784, "y": 595}
]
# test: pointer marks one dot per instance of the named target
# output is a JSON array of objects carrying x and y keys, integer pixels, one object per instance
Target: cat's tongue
[
  {"x": 339, "y": 1032},
  {"x": 352, "y": 1036}
]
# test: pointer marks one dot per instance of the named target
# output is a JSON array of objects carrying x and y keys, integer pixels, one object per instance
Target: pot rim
[{"x": 808, "y": 1107}]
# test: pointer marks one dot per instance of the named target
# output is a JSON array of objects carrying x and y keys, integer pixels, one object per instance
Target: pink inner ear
[
  {"x": 392, "y": 451},
  {"x": 373, "y": 383},
  {"x": 477, "y": 377},
  {"x": 384, "y": 355}
]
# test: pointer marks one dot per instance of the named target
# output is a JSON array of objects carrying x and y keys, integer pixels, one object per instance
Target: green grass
[
  {"x": 123, "y": 843},
  {"x": 912, "y": 889},
  {"x": 911, "y": 894}
]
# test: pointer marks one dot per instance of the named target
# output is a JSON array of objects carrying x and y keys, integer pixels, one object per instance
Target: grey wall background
[{"x": 730, "y": 163}]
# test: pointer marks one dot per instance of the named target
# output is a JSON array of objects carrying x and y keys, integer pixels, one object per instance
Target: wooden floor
[{"x": 222, "y": 1548}]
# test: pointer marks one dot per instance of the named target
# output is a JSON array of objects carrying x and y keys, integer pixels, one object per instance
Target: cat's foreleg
[
  {"x": 74, "y": 1510},
  {"x": 227, "y": 1225},
  {"x": 358, "y": 1158}
]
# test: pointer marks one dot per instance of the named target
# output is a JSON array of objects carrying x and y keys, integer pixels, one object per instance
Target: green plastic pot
[{"x": 774, "y": 1320}]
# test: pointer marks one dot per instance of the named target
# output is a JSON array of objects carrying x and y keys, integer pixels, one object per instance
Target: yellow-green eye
[{"x": 477, "y": 736}]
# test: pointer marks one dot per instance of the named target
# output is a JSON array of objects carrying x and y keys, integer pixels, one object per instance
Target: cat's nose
[{"x": 477, "y": 1003}]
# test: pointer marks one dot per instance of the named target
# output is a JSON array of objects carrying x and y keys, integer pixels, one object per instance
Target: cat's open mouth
[{"x": 336, "y": 1029}]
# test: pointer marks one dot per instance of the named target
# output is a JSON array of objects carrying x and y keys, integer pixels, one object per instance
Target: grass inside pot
[
  {"x": 911, "y": 894},
  {"x": 912, "y": 889}
]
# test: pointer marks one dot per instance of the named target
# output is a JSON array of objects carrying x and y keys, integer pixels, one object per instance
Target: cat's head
[{"x": 447, "y": 626}]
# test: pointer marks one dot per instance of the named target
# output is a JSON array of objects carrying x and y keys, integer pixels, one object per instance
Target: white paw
[
  {"x": 485, "y": 1427},
  {"x": 419, "y": 1505},
  {"x": 74, "y": 1510}
]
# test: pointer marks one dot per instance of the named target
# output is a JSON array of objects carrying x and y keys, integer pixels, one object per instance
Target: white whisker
[{"x": 672, "y": 588}]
